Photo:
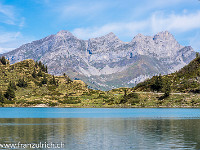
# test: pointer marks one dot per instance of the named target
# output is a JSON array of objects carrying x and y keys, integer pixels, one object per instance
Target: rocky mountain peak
[
  {"x": 165, "y": 35},
  {"x": 110, "y": 35},
  {"x": 139, "y": 37},
  {"x": 106, "y": 62},
  {"x": 64, "y": 33}
]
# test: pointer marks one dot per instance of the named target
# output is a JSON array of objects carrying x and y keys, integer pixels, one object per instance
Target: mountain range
[{"x": 106, "y": 62}]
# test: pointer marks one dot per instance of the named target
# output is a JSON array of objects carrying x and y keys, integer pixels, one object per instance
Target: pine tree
[
  {"x": 46, "y": 69},
  {"x": 40, "y": 64},
  {"x": 3, "y": 60},
  {"x": 53, "y": 80},
  {"x": 2, "y": 98},
  {"x": 43, "y": 68},
  {"x": 39, "y": 73},
  {"x": 44, "y": 80},
  {"x": 10, "y": 93},
  {"x": 36, "y": 64},
  {"x": 157, "y": 84},
  {"x": 167, "y": 89},
  {"x": 34, "y": 74},
  {"x": 22, "y": 83},
  {"x": 13, "y": 85},
  {"x": 197, "y": 55}
]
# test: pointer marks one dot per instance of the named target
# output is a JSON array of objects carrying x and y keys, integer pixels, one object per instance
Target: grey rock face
[{"x": 107, "y": 62}]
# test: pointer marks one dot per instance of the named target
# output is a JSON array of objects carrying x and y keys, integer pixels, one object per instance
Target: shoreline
[{"x": 42, "y": 106}]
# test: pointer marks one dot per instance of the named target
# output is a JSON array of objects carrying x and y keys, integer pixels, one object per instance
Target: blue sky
[{"x": 22, "y": 21}]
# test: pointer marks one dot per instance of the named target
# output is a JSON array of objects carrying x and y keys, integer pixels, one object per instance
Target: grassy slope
[
  {"x": 76, "y": 93},
  {"x": 185, "y": 80}
]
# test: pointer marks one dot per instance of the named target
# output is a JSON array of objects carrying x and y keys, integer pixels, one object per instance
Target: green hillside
[
  {"x": 185, "y": 80},
  {"x": 33, "y": 85},
  {"x": 27, "y": 84}
]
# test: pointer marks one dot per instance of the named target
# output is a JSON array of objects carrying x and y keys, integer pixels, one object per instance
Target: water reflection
[{"x": 104, "y": 133}]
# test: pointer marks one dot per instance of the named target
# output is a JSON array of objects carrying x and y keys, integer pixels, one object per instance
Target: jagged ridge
[{"x": 107, "y": 62}]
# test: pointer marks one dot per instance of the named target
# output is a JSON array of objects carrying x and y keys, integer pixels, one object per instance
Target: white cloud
[
  {"x": 157, "y": 22},
  {"x": 9, "y": 37},
  {"x": 4, "y": 50},
  {"x": 176, "y": 23},
  {"x": 12, "y": 40},
  {"x": 195, "y": 42},
  {"x": 9, "y": 15},
  {"x": 122, "y": 29},
  {"x": 78, "y": 9}
]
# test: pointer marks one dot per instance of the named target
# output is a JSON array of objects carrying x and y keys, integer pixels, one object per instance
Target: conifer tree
[
  {"x": 40, "y": 64},
  {"x": 36, "y": 64},
  {"x": 167, "y": 89},
  {"x": 39, "y": 73},
  {"x": 3, "y": 60},
  {"x": 157, "y": 84},
  {"x": 53, "y": 80},
  {"x": 10, "y": 93},
  {"x": 34, "y": 73},
  {"x": 43, "y": 68},
  {"x": 46, "y": 69},
  {"x": 44, "y": 80},
  {"x": 197, "y": 55},
  {"x": 2, "y": 98},
  {"x": 22, "y": 83},
  {"x": 13, "y": 85}
]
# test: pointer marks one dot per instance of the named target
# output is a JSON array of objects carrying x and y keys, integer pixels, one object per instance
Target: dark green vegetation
[
  {"x": 27, "y": 83},
  {"x": 185, "y": 80}
]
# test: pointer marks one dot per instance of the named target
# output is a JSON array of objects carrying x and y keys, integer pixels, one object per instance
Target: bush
[
  {"x": 133, "y": 101},
  {"x": 2, "y": 98},
  {"x": 34, "y": 74},
  {"x": 3, "y": 60},
  {"x": 22, "y": 83},
  {"x": 70, "y": 100},
  {"x": 44, "y": 80},
  {"x": 13, "y": 85},
  {"x": 10, "y": 93},
  {"x": 131, "y": 98},
  {"x": 39, "y": 73},
  {"x": 157, "y": 84},
  {"x": 52, "y": 104},
  {"x": 53, "y": 81}
]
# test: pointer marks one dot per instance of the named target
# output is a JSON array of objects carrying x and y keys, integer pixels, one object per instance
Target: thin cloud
[
  {"x": 195, "y": 41},
  {"x": 157, "y": 22},
  {"x": 12, "y": 40},
  {"x": 9, "y": 15},
  {"x": 78, "y": 9},
  {"x": 122, "y": 29},
  {"x": 174, "y": 22},
  {"x": 9, "y": 37}
]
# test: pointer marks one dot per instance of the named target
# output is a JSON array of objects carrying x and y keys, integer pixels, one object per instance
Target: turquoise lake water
[{"x": 103, "y": 128}]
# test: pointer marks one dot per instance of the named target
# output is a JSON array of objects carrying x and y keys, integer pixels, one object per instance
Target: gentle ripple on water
[{"x": 111, "y": 129}]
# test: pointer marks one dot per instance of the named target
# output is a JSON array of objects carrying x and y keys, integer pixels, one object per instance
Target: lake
[{"x": 102, "y": 128}]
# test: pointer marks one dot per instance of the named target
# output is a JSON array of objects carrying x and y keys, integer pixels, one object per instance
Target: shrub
[
  {"x": 10, "y": 93},
  {"x": 39, "y": 73},
  {"x": 2, "y": 98},
  {"x": 44, "y": 80},
  {"x": 22, "y": 83},
  {"x": 13, "y": 85},
  {"x": 3, "y": 60},
  {"x": 34, "y": 74}
]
